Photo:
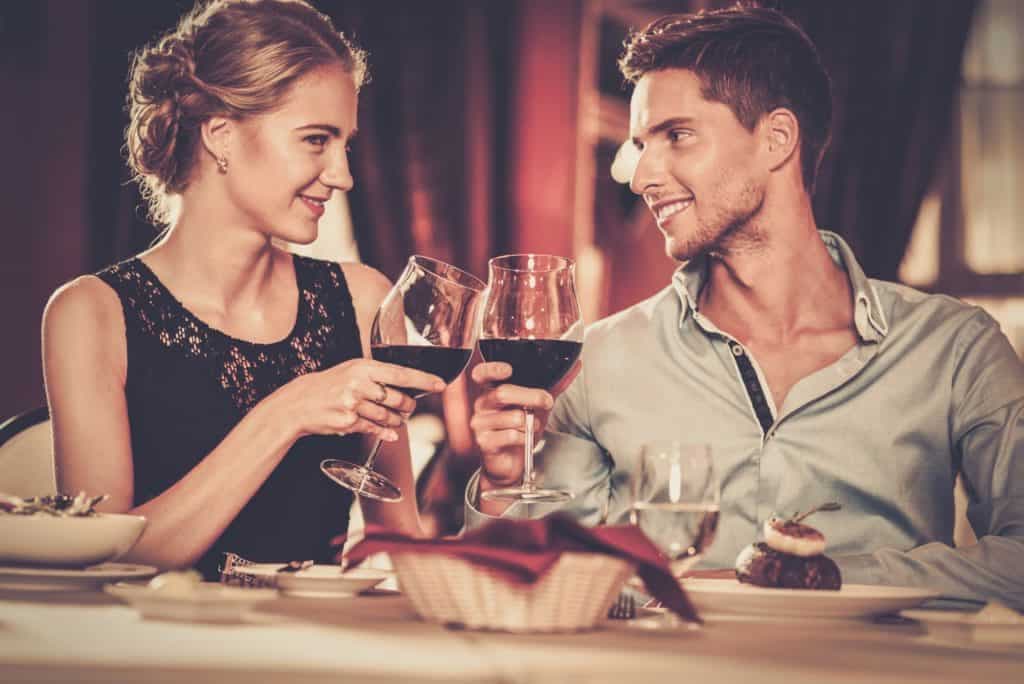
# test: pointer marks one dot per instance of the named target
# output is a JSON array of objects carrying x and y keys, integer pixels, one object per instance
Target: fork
[{"x": 624, "y": 607}]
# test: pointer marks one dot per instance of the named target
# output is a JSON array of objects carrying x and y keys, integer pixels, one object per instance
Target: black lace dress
[{"x": 189, "y": 384}]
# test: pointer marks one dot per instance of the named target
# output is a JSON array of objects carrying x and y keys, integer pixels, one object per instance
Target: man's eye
[
  {"x": 677, "y": 134},
  {"x": 318, "y": 140}
]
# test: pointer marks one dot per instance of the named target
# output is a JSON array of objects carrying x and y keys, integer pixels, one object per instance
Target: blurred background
[{"x": 490, "y": 126}]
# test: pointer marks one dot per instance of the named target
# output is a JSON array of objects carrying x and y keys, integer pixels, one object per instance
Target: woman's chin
[{"x": 296, "y": 237}]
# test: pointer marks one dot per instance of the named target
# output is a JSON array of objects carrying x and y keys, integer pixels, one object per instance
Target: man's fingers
[
  {"x": 496, "y": 441},
  {"x": 490, "y": 373},
  {"x": 486, "y": 421},
  {"x": 505, "y": 466}
]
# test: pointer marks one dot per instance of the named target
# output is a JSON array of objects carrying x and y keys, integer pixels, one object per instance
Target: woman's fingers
[
  {"x": 386, "y": 397},
  {"x": 400, "y": 376}
]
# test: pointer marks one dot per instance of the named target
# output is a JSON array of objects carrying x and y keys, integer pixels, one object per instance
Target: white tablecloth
[{"x": 90, "y": 637}]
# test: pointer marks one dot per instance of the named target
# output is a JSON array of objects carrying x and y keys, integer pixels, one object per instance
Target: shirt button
[{"x": 737, "y": 350}]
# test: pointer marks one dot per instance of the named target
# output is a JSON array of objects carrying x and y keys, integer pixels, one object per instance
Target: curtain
[
  {"x": 429, "y": 165},
  {"x": 895, "y": 68}
]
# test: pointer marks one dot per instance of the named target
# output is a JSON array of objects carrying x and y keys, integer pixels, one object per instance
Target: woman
[{"x": 201, "y": 382}]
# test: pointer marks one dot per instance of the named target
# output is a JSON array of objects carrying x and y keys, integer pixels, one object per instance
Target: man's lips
[{"x": 666, "y": 209}]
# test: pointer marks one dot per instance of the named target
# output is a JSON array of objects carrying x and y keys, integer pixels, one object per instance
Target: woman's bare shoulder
[
  {"x": 84, "y": 299},
  {"x": 84, "y": 311},
  {"x": 365, "y": 282}
]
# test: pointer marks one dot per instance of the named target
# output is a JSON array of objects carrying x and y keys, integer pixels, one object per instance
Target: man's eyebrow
[{"x": 663, "y": 126}]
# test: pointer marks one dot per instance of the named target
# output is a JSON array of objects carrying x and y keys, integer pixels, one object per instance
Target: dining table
[{"x": 90, "y": 636}]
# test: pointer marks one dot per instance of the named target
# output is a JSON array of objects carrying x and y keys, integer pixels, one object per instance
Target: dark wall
[{"x": 44, "y": 81}]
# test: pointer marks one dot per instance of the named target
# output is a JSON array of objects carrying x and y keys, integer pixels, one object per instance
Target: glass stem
[
  {"x": 528, "y": 476},
  {"x": 368, "y": 466}
]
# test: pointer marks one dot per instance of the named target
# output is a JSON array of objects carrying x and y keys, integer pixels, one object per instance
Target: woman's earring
[{"x": 222, "y": 164}]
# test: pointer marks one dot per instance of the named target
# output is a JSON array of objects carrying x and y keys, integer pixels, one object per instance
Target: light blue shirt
[{"x": 932, "y": 389}]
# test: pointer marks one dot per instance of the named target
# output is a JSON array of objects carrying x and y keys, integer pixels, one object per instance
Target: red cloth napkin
[{"x": 523, "y": 550}]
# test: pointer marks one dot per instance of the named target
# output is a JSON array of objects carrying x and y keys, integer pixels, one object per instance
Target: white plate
[
  {"x": 729, "y": 597},
  {"x": 318, "y": 581},
  {"x": 963, "y": 629},
  {"x": 204, "y": 602},
  {"x": 62, "y": 579},
  {"x": 67, "y": 542}
]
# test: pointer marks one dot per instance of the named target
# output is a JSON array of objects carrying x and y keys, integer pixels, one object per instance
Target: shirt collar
[{"x": 868, "y": 316}]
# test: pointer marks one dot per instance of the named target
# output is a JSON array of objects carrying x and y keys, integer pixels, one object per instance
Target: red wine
[
  {"x": 535, "y": 363},
  {"x": 444, "y": 362}
]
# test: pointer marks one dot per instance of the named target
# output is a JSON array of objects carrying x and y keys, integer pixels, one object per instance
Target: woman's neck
[{"x": 213, "y": 262}]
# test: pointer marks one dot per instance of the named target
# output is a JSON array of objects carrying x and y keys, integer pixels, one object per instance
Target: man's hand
[{"x": 499, "y": 424}]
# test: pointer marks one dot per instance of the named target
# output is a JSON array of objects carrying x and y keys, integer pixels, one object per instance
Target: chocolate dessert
[{"x": 791, "y": 557}]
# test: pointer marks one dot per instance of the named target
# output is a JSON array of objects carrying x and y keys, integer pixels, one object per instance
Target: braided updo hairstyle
[{"x": 232, "y": 58}]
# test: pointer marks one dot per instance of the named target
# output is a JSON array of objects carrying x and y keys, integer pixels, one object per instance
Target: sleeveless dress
[{"x": 189, "y": 384}]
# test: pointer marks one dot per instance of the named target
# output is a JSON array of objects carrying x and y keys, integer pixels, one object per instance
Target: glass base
[
  {"x": 527, "y": 495},
  {"x": 361, "y": 481}
]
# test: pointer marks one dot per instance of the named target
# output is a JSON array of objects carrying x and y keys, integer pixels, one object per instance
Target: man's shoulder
[
  {"x": 636, "y": 320},
  {"x": 903, "y": 303}
]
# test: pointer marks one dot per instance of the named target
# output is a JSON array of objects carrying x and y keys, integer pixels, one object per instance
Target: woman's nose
[{"x": 337, "y": 174}]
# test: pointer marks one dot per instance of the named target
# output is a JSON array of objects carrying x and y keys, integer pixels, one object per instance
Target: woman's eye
[
  {"x": 678, "y": 134},
  {"x": 318, "y": 140}
]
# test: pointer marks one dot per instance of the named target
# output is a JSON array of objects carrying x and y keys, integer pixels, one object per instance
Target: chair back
[{"x": 26, "y": 455}]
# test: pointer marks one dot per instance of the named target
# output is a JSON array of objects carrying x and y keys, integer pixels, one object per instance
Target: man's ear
[
  {"x": 216, "y": 135},
  {"x": 781, "y": 136}
]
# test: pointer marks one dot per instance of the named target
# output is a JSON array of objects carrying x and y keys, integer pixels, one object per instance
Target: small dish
[
  {"x": 317, "y": 581},
  {"x": 70, "y": 579},
  {"x": 205, "y": 602}
]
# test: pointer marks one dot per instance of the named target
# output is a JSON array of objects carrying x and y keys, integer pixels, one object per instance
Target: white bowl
[
  {"x": 573, "y": 595},
  {"x": 71, "y": 542}
]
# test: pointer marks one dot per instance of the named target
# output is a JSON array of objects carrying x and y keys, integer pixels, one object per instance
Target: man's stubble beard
[{"x": 727, "y": 234}]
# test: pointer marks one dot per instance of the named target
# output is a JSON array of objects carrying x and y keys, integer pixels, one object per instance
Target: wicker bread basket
[{"x": 573, "y": 595}]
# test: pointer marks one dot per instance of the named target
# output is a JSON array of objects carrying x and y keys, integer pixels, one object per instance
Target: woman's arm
[{"x": 85, "y": 366}]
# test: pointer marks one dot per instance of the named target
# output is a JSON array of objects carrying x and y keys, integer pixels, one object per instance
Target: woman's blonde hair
[{"x": 233, "y": 58}]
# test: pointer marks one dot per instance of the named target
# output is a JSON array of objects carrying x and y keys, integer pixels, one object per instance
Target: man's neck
[{"x": 786, "y": 286}]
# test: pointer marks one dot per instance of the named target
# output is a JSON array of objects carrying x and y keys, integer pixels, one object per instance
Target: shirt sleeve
[
  {"x": 987, "y": 433},
  {"x": 569, "y": 458}
]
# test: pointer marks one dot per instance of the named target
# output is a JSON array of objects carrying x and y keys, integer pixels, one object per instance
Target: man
[{"x": 811, "y": 382}]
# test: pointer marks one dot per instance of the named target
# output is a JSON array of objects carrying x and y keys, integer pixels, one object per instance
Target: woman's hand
[{"x": 358, "y": 395}]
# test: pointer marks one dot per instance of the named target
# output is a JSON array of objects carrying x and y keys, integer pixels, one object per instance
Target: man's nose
[{"x": 648, "y": 174}]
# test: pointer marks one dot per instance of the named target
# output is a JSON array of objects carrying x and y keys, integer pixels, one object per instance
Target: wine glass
[
  {"x": 427, "y": 321},
  {"x": 531, "y": 321},
  {"x": 676, "y": 500}
]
